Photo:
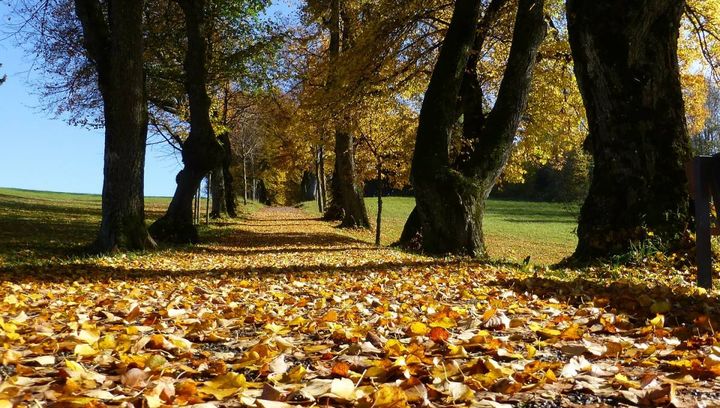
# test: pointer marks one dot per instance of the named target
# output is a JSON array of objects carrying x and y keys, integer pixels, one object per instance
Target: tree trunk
[
  {"x": 334, "y": 210},
  {"x": 626, "y": 64},
  {"x": 229, "y": 185},
  {"x": 353, "y": 205},
  {"x": 217, "y": 187},
  {"x": 450, "y": 197},
  {"x": 201, "y": 151},
  {"x": 116, "y": 48},
  {"x": 318, "y": 185},
  {"x": 245, "y": 184},
  {"x": 322, "y": 180}
]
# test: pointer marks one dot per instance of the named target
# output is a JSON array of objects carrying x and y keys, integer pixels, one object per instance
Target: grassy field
[
  {"x": 514, "y": 229},
  {"x": 38, "y": 225}
]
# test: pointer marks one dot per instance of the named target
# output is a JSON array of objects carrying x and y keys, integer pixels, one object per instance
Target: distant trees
[{"x": 707, "y": 140}]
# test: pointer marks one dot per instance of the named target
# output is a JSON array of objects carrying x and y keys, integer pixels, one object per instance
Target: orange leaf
[
  {"x": 331, "y": 316},
  {"x": 438, "y": 334},
  {"x": 341, "y": 369}
]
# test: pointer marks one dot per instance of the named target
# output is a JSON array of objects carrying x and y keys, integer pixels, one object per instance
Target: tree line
[{"x": 452, "y": 97}]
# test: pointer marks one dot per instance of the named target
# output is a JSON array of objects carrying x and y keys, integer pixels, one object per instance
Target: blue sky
[{"x": 41, "y": 153}]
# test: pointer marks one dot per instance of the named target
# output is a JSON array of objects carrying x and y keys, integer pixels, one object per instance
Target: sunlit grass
[{"x": 514, "y": 229}]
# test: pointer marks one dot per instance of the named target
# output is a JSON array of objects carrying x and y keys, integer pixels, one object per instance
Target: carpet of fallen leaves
[{"x": 282, "y": 310}]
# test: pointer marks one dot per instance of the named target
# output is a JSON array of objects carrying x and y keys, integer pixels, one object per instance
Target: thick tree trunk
[
  {"x": 201, "y": 151},
  {"x": 116, "y": 47},
  {"x": 217, "y": 188},
  {"x": 626, "y": 64},
  {"x": 450, "y": 198},
  {"x": 437, "y": 204}
]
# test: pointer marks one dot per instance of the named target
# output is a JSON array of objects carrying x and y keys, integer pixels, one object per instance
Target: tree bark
[
  {"x": 116, "y": 48},
  {"x": 228, "y": 180},
  {"x": 217, "y": 188},
  {"x": 319, "y": 184},
  {"x": 450, "y": 197},
  {"x": 626, "y": 64},
  {"x": 201, "y": 151},
  {"x": 347, "y": 200},
  {"x": 245, "y": 184},
  {"x": 353, "y": 204},
  {"x": 322, "y": 180}
]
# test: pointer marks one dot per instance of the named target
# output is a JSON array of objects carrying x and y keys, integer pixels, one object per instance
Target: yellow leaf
[
  {"x": 298, "y": 321},
  {"x": 89, "y": 336},
  {"x": 390, "y": 397},
  {"x": 456, "y": 351},
  {"x": 625, "y": 382},
  {"x": 84, "y": 350},
  {"x": 445, "y": 323},
  {"x": 11, "y": 299},
  {"x": 418, "y": 329},
  {"x": 316, "y": 348},
  {"x": 295, "y": 375},
  {"x": 548, "y": 333},
  {"x": 394, "y": 348},
  {"x": 107, "y": 342},
  {"x": 658, "y": 321}
]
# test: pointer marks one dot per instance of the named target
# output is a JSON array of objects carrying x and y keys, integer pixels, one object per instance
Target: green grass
[
  {"x": 514, "y": 229},
  {"x": 36, "y": 226}
]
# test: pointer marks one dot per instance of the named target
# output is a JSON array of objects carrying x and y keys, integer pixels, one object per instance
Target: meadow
[
  {"x": 514, "y": 229},
  {"x": 39, "y": 225}
]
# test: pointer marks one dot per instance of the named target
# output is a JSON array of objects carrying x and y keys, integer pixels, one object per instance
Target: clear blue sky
[{"x": 41, "y": 153}]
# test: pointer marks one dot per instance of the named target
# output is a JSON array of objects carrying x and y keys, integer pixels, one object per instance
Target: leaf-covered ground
[{"x": 283, "y": 310}]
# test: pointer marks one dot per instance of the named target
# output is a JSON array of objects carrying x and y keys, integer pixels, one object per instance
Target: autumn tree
[
  {"x": 626, "y": 64},
  {"x": 450, "y": 196},
  {"x": 113, "y": 39},
  {"x": 201, "y": 151}
]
